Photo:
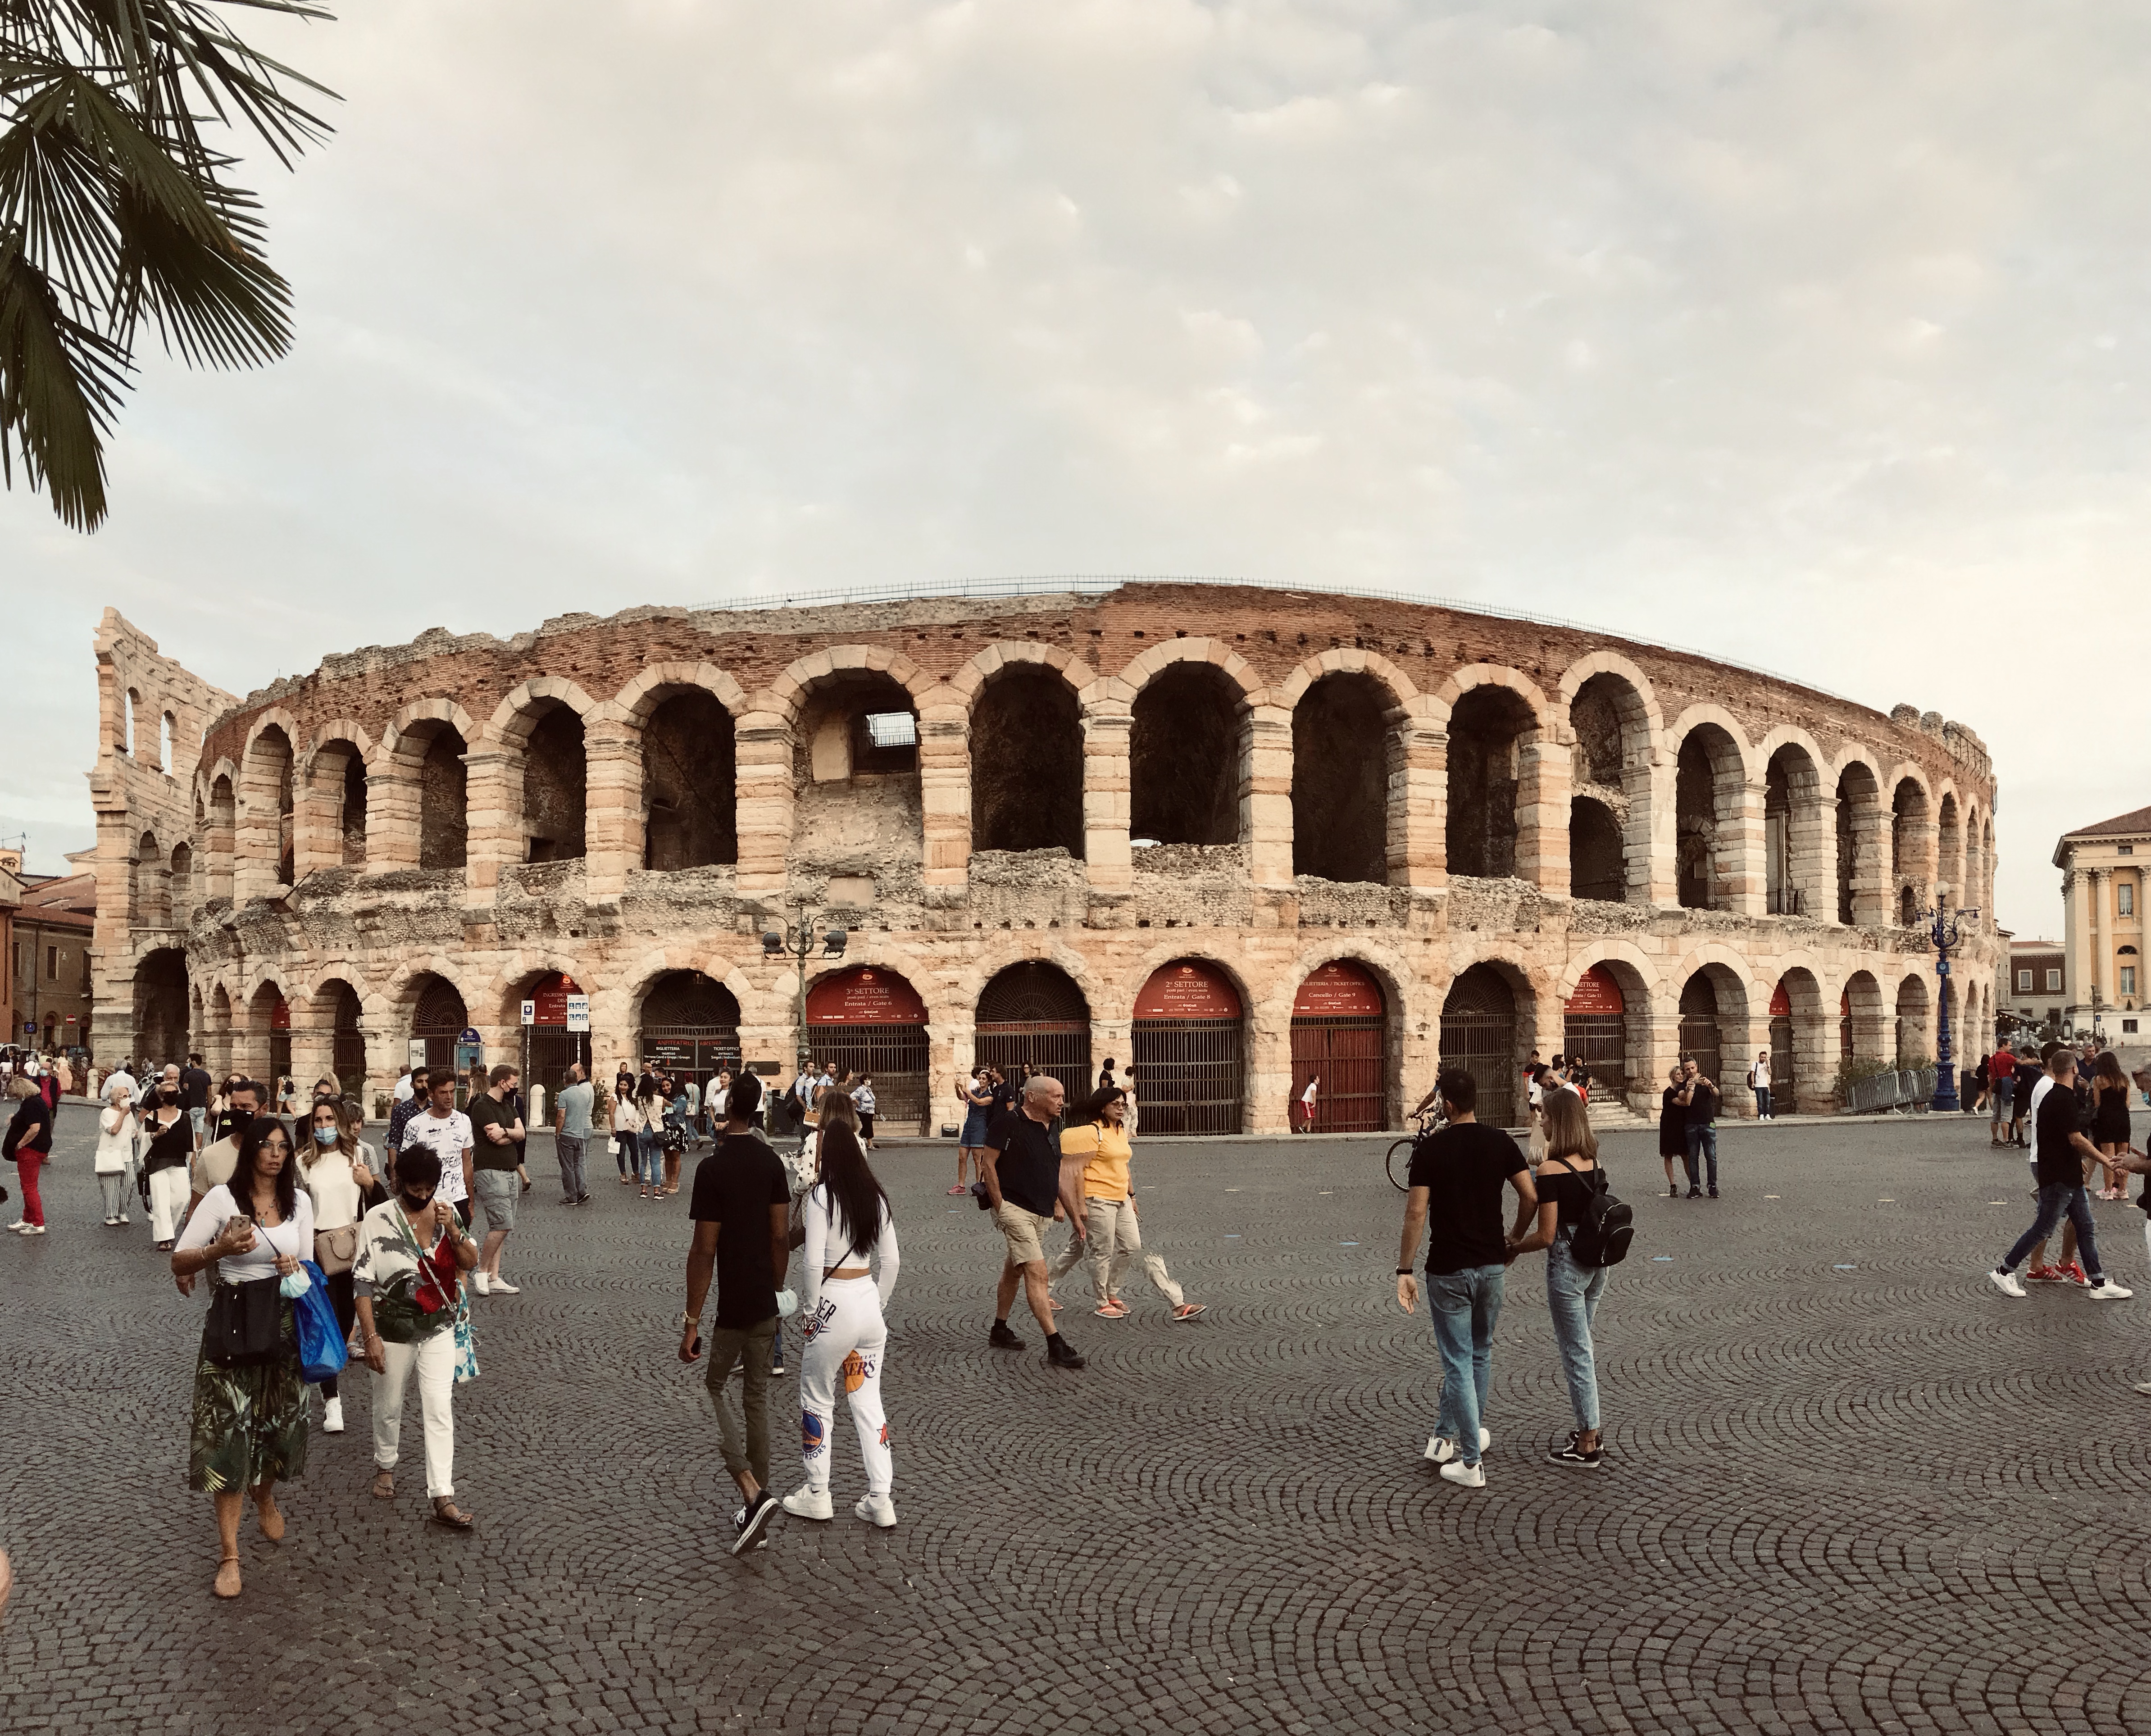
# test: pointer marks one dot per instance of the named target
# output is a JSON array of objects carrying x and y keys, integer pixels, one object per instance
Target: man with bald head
[{"x": 1025, "y": 1175}]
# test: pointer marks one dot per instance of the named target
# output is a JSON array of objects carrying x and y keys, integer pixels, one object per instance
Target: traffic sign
[{"x": 529, "y": 1012}]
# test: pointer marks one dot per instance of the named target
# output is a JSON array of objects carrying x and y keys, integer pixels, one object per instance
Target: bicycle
[{"x": 1398, "y": 1162}]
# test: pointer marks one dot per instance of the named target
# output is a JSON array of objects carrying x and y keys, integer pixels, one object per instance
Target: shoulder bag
[
  {"x": 1608, "y": 1225},
  {"x": 246, "y": 1324}
]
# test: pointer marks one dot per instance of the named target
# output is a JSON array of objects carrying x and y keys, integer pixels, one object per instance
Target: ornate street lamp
[
  {"x": 1942, "y": 930},
  {"x": 803, "y": 939}
]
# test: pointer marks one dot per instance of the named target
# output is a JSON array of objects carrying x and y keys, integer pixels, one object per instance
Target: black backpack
[{"x": 1608, "y": 1226}]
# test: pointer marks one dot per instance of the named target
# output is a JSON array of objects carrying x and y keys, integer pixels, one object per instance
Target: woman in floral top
[{"x": 404, "y": 1284}]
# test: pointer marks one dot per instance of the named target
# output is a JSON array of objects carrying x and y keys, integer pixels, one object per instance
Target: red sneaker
[
  {"x": 2075, "y": 1275},
  {"x": 2044, "y": 1274}
]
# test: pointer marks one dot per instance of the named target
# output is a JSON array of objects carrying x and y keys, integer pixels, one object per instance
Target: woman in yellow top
[{"x": 1109, "y": 1234}]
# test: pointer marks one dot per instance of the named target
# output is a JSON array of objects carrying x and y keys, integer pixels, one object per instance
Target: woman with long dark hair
[
  {"x": 2109, "y": 1121},
  {"x": 626, "y": 1124},
  {"x": 249, "y": 1409},
  {"x": 1566, "y": 1180},
  {"x": 851, "y": 1263}
]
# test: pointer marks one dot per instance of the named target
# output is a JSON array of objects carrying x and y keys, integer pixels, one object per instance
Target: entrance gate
[
  {"x": 690, "y": 1026},
  {"x": 1478, "y": 1035},
  {"x": 1594, "y": 1029},
  {"x": 1032, "y": 1015},
  {"x": 1784, "y": 1091},
  {"x": 872, "y": 1021},
  {"x": 550, "y": 1048},
  {"x": 1698, "y": 1026},
  {"x": 1190, "y": 1056},
  {"x": 436, "y": 1021},
  {"x": 1340, "y": 1036}
]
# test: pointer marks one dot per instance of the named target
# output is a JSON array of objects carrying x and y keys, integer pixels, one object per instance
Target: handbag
[
  {"x": 246, "y": 1324},
  {"x": 322, "y": 1351},
  {"x": 337, "y": 1250}
]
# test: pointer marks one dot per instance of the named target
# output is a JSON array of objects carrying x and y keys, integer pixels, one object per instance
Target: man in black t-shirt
[
  {"x": 1456, "y": 1179},
  {"x": 194, "y": 1087},
  {"x": 2060, "y": 1148},
  {"x": 742, "y": 1206},
  {"x": 496, "y": 1118},
  {"x": 1021, "y": 1168},
  {"x": 1697, "y": 1098}
]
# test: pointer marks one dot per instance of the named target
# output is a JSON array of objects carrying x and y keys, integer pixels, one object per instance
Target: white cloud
[{"x": 1802, "y": 334}]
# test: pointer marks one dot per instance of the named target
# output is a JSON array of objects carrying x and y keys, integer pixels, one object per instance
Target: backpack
[{"x": 1608, "y": 1226}]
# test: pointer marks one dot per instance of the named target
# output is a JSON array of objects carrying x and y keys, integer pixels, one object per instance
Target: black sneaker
[
  {"x": 1567, "y": 1454},
  {"x": 1001, "y": 1338},
  {"x": 752, "y": 1521},
  {"x": 1673, "y": 1191},
  {"x": 1695, "y": 1193},
  {"x": 1714, "y": 1193},
  {"x": 1062, "y": 1354}
]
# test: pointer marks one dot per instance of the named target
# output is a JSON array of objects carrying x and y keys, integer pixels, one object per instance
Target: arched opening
[
  {"x": 218, "y": 1033},
  {"x": 1598, "y": 868},
  {"x": 689, "y": 773},
  {"x": 1792, "y": 831},
  {"x": 555, "y": 786},
  {"x": 1610, "y": 769},
  {"x": 1340, "y": 1038},
  {"x": 1908, "y": 908},
  {"x": 858, "y": 810},
  {"x": 1915, "y": 1021},
  {"x": 1909, "y": 836},
  {"x": 555, "y": 1036},
  {"x": 269, "y": 1035},
  {"x": 1782, "y": 1072},
  {"x": 164, "y": 733},
  {"x": 127, "y": 723},
  {"x": 1864, "y": 1027},
  {"x": 160, "y": 1006},
  {"x": 444, "y": 793},
  {"x": 1594, "y": 1028},
  {"x": 1859, "y": 825},
  {"x": 1186, "y": 744},
  {"x": 438, "y": 1018},
  {"x": 1708, "y": 777},
  {"x": 1486, "y": 732},
  {"x": 1699, "y": 1031},
  {"x": 1033, "y": 1015},
  {"x": 267, "y": 776},
  {"x": 336, "y": 805},
  {"x": 1479, "y": 1033},
  {"x": 1986, "y": 898},
  {"x": 1190, "y": 1049},
  {"x": 1341, "y": 750},
  {"x": 1948, "y": 867},
  {"x": 1027, "y": 763},
  {"x": 690, "y": 1023},
  {"x": 871, "y": 1022},
  {"x": 337, "y": 1005},
  {"x": 221, "y": 823},
  {"x": 149, "y": 896},
  {"x": 184, "y": 893},
  {"x": 1799, "y": 1045}
]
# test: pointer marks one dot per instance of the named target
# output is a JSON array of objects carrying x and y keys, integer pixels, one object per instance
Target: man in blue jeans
[
  {"x": 1697, "y": 1098},
  {"x": 1455, "y": 1200},
  {"x": 2059, "y": 1149}
]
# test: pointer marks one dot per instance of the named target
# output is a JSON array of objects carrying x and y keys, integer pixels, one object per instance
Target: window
[
  {"x": 2124, "y": 849},
  {"x": 2128, "y": 1027},
  {"x": 2054, "y": 981},
  {"x": 2053, "y": 1015},
  {"x": 2128, "y": 979},
  {"x": 52, "y": 963},
  {"x": 2125, "y": 899},
  {"x": 2023, "y": 982},
  {"x": 85, "y": 971}
]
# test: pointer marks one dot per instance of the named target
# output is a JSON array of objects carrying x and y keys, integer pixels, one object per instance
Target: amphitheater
[{"x": 1237, "y": 837}]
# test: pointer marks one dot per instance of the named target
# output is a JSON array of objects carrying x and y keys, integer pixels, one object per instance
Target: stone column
[
  {"x": 1811, "y": 849},
  {"x": 1543, "y": 790},
  {"x": 1739, "y": 1036},
  {"x": 2076, "y": 939},
  {"x": 764, "y": 782},
  {"x": 1738, "y": 855},
  {"x": 1266, "y": 797},
  {"x": 313, "y": 1052},
  {"x": 391, "y": 812},
  {"x": 317, "y": 830},
  {"x": 944, "y": 787},
  {"x": 613, "y": 819},
  {"x": 1871, "y": 879},
  {"x": 1108, "y": 861},
  {"x": 493, "y": 826},
  {"x": 257, "y": 835},
  {"x": 1266, "y": 1107},
  {"x": 1649, "y": 877},
  {"x": 1653, "y": 1047},
  {"x": 1426, "y": 815},
  {"x": 2102, "y": 943}
]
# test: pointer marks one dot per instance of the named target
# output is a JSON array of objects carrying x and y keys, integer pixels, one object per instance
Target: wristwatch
[
  {"x": 687, "y": 1320},
  {"x": 1403, "y": 1271}
]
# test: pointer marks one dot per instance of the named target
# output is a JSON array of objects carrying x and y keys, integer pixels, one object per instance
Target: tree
[{"x": 113, "y": 207}]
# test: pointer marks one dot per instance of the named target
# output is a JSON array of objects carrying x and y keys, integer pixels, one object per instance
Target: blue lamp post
[{"x": 1943, "y": 930}]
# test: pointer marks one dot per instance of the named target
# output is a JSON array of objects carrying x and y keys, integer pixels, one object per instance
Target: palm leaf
[{"x": 60, "y": 385}]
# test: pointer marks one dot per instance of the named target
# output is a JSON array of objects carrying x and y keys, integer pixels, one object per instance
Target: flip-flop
[
  {"x": 380, "y": 1493},
  {"x": 461, "y": 1522}
]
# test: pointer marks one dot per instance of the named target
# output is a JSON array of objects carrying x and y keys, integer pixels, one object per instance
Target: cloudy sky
[{"x": 1803, "y": 334}]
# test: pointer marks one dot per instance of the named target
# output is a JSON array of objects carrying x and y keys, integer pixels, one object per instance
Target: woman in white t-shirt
[
  {"x": 116, "y": 1128},
  {"x": 338, "y": 1174},
  {"x": 248, "y": 1431}
]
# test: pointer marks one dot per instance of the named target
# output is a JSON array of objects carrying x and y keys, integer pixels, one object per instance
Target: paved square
[{"x": 1850, "y": 1486}]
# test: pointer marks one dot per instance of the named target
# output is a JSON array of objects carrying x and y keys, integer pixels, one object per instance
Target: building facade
[
  {"x": 1235, "y": 837},
  {"x": 2036, "y": 989},
  {"x": 51, "y": 962},
  {"x": 2103, "y": 924}
]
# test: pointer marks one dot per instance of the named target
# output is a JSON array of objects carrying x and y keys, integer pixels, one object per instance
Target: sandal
[
  {"x": 384, "y": 1486},
  {"x": 270, "y": 1520},
  {"x": 227, "y": 1577},
  {"x": 447, "y": 1513},
  {"x": 1189, "y": 1310},
  {"x": 1111, "y": 1311}
]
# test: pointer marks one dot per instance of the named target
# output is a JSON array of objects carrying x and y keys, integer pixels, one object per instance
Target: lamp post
[
  {"x": 1943, "y": 930},
  {"x": 800, "y": 948}
]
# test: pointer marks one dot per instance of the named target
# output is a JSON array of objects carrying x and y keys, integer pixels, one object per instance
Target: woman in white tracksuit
[{"x": 847, "y": 1220}]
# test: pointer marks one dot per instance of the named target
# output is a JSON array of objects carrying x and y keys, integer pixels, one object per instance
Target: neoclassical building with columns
[{"x": 1235, "y": 838}]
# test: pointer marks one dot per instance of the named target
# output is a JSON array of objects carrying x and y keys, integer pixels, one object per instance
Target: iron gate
[
  {"x": 1483, "y": 1044},
  {"x": 1782, "y": 1095},
  {"x": 1601, "y": 1041},
  {"x": 1351, "y": 1057},
  {"x": 280, "y": 1065},
  {"x": 1190, "y": 1075},
  {"x": 347, "y": 1052},
  {"x": 549, "y": 1051},
  {"x": 1032, "y": 1015},
  {"x": 438, "y": 1020},
  {"x": 1698, "y": 1040},
  {"x": 893, "y": 1055}
]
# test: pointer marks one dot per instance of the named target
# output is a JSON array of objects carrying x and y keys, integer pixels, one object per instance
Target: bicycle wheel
[{"x": 1398, "y": 1165}]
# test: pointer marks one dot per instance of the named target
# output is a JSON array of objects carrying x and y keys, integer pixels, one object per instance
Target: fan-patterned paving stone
[{"x": 1881, "y": 1498}]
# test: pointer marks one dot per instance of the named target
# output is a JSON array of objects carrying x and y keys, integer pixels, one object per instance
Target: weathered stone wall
[{"x": 1291, "y": 836}]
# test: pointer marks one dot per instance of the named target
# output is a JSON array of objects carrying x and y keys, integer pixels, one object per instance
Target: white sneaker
[
  {"x": 501, "y": 1287},
  {"x": 33, "y": 1229},
  {"x": 810, "y": 1504},
  {"x": 1440, "y": 1448},
  {"x": 19, "y": 1225},
  {"x": 2106, "y": 1290},
  {"x": 480, "y": 1283},
  {"x": 1485, "y": 1440},
  {"x": 2144, "y": 1387},
  {"x": 112, "y": 1223},
  {"x": 1470, "y": 1476},
  {"x": 123, "y": 1218},
  {"x": 877, "y": 1509},
  {"x": 2008, "y": 1282},
  {"x": 332, "y": 1417}
]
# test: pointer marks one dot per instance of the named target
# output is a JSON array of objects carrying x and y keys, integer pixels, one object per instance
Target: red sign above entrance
[
  {"x": 865, "y": 996},
  {"x": 1188, "y": 988},
  {"x": 551, "y": 999},
  {"x": 1339, "y": 989},
  {"x": 1781, "y": 1002},
  {"x": 1596, "y": 994}
]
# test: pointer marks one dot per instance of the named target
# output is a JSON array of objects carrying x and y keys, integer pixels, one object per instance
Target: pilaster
[
  {"x": 762, "y": 774},
  {"x": 1542, "y": 794},
  {"x": 613, "y": 817},
  {"x": 944, "y": 787},
  {"x": 1108, "y": 863},
  {"x": 1266, "y": 798}
]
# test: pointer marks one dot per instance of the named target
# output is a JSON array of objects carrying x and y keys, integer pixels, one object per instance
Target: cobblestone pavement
[{"x": 1850, "y": 1486}]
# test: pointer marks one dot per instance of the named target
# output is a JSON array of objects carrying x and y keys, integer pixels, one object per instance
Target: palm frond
[
  {"x": 60, "y": 385},
  {"x": 218, "y": 302}
]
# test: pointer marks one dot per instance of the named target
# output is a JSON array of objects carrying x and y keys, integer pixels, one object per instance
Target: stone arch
[
  {"x": 1863, "y": 1020},
  {"x": 837, "y": 758},
  {"x": 1347, "y": 659},
  {"x": 1146, "y": 666},
  {"x": 501, "y": 1000},
  {"x": 150, "y": 898},
  {"x": 1798, "y": 825},
  {"x": 1350, "y": 792},
  {"x": 1191, "y": 705},
  {"x": 1711, "y": 834},
  {"x": 1714, "y": 1009},
  {"x": 267, "y": 817},
  {"x": 639, "y": 700},
  {"x": 1405, "y": 1050},
  {"x": 787, "y": 694},
  {"x": 1861, "y": 881},
  {"x": 1461, "y": 682},
  {"x": 1198, "y": 1072},
  {"x": 1496, "y": 722},
  {"x": 1949, "y": 844},
  {"x": 1642, "y": 999},
  {"x": 1612, "y": 727},
  {"x": 162, "y": 1002},
  {"x": 1802, "y": 1080},
  {"x": 967, "y": 682},
  {"x": 683, "y": 723},
  {"x": 542, "y": 788},
  {"x": 1025, "y": 736},
  {"x": 332, "y": 806},
  {"x": 184, "y": 893},
  {"x": 168, "y": 736},
  {"x": 1492, "y": 1009},
  {"x": 1914, "y": 1015},
  {"x": 418, "y": 799}
]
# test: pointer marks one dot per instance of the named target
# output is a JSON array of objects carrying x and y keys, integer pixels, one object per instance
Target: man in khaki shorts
[{"x": 1025, "y": 1175}]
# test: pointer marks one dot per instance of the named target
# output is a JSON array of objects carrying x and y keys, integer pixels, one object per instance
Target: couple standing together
[{"x": 1457, "y": 1176}]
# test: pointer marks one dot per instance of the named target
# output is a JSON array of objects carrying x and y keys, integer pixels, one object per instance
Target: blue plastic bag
[{"x": 322, "y": 1351}]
